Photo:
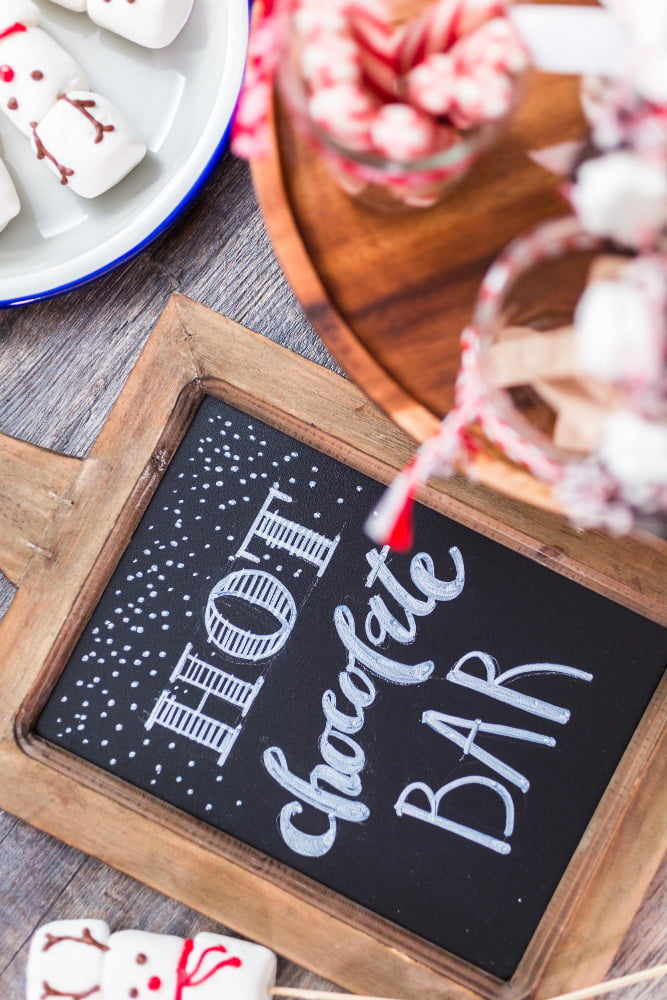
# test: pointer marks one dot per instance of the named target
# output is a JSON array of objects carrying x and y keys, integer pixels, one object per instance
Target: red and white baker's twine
[
  {"x": 389, "y": 524},
  {"x": 250, "y": 130},
  {"x": 474, "y": 405}
]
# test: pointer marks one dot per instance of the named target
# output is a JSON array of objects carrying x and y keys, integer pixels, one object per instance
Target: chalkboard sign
[
  {"x": 431, "y": 740},
  {"x": 427, "y": 735}
]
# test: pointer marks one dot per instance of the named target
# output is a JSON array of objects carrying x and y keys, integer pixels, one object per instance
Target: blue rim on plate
[
  {"x": 134, "y": 251},
  {"x": 112, "y": 265}
]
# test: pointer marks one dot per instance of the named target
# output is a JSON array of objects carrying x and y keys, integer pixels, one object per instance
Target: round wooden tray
[{"x": 389, "y": 293}]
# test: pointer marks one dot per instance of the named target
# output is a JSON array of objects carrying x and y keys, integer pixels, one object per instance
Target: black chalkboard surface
[{"x": 428, "y": 734}]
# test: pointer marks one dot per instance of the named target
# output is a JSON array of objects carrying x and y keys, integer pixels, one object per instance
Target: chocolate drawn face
[
  {"x": 141, "y": 966},
  {"x": 8, "y": 75},
  {"x": 34, "y": 71}
]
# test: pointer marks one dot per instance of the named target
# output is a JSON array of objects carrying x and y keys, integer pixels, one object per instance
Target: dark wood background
[{"x": 62, "y": 365}]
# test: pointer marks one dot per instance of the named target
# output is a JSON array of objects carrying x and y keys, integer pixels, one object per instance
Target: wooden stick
[
  {"x": 614, "y": 984},
  {"x": 299, "y": 994},
  {"x": 583, "y": 994}
]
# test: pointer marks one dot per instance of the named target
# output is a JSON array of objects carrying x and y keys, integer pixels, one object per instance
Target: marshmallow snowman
[
  {"x": 34, "y": 68},
  {"x": 87, "y": 143},
  {"x": 9, "y": 200},
  {"x": 80, "y": 958},
  {"x": 151, "y": 23},
  {"x": 84, "y": 139},
  {"x": 66, "y": 958}
]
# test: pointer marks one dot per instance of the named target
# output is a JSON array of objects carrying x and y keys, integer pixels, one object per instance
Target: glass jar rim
[{"x": 550, "y": 240}]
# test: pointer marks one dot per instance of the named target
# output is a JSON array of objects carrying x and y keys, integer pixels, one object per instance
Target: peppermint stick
[
  {"x": 441, "y": 25},
  {"x": 377, "y": 45}
]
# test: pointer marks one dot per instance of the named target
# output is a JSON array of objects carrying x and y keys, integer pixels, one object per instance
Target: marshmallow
[
  {"x": 87, "y": 143},
  {"x": 622, "y": 196},
  {"x": 152, "y": 23},
  {"x": 78, "y": 5},
  {"x": 614, "y": 327},
  {"x": 34, "y": 71},
  {"x": 140, "y": 964},
  {"x": 66, "y": 957},
  {"x": 78, "y": 957},
  {"x": 17, "y": 12},
  {"x": 9, "y": 200}
]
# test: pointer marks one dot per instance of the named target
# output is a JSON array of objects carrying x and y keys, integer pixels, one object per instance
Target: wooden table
[{"x": 62, "y": 365}]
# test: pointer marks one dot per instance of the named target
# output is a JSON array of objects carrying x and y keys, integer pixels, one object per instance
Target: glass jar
[
  {"x": 382, "y": 181},
  {"x": 524, "y": 315}
]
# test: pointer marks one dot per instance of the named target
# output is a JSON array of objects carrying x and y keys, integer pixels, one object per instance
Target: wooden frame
[{"x": 64, "y": 524}]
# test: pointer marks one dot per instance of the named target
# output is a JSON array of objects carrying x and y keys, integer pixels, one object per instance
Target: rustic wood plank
[
  {"x": 78, "y": 885},
  {"x": 62, "y": 365},
  {"x": 193, "y": 351},
  {"x": 27, "y": 893},
  {"x": 639, "y": 951},
  {"x": 7, "y": 822},
  {"x": 34, "y": 486},
  {"x": 63, "y": 361}
]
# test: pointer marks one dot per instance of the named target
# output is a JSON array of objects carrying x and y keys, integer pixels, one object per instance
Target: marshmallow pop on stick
[{"x": 78, "y": 959}]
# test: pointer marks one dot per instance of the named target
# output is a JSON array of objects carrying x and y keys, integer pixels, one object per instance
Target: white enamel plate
[{"x": 180, "y": 100}]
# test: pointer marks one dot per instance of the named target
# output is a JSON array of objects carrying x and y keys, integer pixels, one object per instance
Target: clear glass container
[
  {"x": 534, "y": 286},
  {"x": 378, "y": 181}
]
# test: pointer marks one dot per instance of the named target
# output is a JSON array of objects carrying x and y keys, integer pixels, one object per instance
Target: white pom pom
[
  {"x": 614, "y": 332},
  {"x": 635, "y": 452},
  {"x": 622, "y": 196}
]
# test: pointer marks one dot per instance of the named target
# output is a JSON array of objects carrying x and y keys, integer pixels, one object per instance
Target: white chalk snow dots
[{"x": 80, "y": 958}]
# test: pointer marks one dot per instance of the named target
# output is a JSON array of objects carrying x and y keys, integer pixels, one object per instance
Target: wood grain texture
[
  {"x": 391, "y": 292},
  {"x": 34, "y": 484},
  {"x": 194, "y": 351},
  {"x": 62, "y": 364}
]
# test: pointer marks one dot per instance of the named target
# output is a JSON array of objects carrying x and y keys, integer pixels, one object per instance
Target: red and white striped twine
[{"x": 474, "y": 403}]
